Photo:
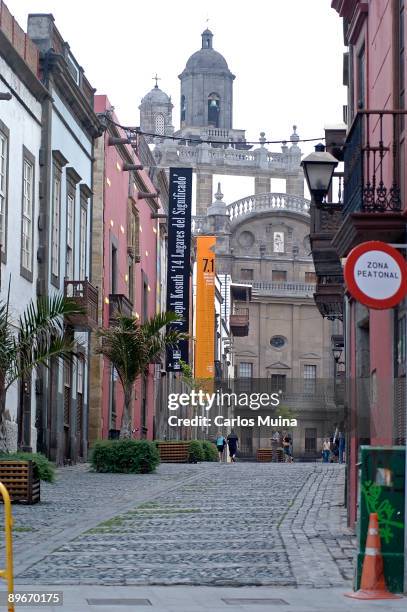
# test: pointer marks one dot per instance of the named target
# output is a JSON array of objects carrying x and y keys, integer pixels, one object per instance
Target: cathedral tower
[
  {"x": 156, "y": 113},
  {"x": 206, "y": 88}
]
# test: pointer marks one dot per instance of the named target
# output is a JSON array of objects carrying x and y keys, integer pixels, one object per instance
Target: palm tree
[
  {"x": 37, "y": 336},
  {"x": 131, "y": 347}
]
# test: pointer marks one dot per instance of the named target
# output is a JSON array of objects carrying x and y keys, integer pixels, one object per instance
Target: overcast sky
[{"x": 286, "y": 55}]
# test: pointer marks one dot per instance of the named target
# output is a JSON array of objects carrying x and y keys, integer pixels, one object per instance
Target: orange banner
[{"x": 205, "y": 308}]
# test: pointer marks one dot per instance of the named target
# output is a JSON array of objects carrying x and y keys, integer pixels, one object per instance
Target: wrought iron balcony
[
  {"x": 329, "y": 297},
  {"x": 325, "y": 221},
  {"x": 119, "y": 304},
  {"x": 86, "y": 296},
  {"x": 373, "y": 208},
  {"x": 239, "y": 322}
]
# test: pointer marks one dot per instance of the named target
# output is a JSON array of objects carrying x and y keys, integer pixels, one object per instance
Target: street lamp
[
  {"x": 318, "y": 170},
  {"x": 337, "y": 353}
]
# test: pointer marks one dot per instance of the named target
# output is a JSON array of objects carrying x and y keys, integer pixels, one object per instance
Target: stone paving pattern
[{"x": 211, "y": 524}]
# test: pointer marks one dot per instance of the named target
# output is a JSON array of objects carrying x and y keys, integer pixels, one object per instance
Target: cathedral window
[
  {"x": 159, "y": 124},
  {"x": 213, "y": 110},
  {"x": 183, "y": 108}
]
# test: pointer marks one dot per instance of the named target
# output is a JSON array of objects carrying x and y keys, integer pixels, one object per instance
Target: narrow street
[{"x": 114, "y": 541}]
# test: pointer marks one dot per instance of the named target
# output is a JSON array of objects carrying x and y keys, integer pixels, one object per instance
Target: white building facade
[{"x": 20, "y": 141}]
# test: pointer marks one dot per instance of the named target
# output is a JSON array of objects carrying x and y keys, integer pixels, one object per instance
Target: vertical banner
[
  {"x": 205, "y": 307},
  {"x": 179, "y": 256}
]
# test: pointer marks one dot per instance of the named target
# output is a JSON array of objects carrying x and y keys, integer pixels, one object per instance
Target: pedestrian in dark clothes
[{"x": 233, "y": 442}]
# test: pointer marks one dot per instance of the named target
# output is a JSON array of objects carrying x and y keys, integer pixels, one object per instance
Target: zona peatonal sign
[
  {"x": 376, "y": 275},
  {"x": 179, "y": 254}
]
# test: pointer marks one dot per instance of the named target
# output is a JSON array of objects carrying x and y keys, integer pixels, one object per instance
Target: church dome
[
  {"x": 156, "y": 96},
  {"x": 207, "y": 59}
]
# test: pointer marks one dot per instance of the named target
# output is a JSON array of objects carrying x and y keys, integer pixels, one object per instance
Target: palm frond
[
  {"x": 38, "y": 336},
  {"x": 131, "y": 346}
]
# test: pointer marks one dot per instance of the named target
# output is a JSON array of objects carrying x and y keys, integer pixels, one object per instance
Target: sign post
[
  {"x": 179, "y": 259},
  {"x": 376, "y": 275}
]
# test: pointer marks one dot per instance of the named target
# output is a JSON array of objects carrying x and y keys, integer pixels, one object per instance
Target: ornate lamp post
[{"x": 319, "y": 168}]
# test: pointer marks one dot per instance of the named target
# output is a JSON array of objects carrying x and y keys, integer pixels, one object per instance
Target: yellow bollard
[{"x": 7, "y": 573}]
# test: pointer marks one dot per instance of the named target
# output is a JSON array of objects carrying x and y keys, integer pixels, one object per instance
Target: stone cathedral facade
[{"x": 262, "y": 249}]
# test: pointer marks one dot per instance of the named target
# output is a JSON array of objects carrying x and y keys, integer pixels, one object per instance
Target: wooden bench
[
  {"x": 18, "y": 477},
  {"x": 264, "y": 455},
  {"x": 173, "y": 452}
]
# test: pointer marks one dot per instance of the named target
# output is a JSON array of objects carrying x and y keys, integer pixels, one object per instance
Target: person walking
[
  {"x": 287, "y": 449},
  {"x": 220, "y": 445},
  {"x": 233, "y": 443},
  {"x": 341, "y": 446},
  {"x": 326, "y": 450}
]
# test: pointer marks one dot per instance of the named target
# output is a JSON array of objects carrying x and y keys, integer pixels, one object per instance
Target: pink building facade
[
  {"x": 124, "y": 264},
  {"x": 375, "y": 341}
]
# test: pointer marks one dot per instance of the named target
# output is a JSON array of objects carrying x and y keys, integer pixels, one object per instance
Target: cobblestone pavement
[
  {"x": 79, "y": 500},
  {"x": 230, "y": 525}
]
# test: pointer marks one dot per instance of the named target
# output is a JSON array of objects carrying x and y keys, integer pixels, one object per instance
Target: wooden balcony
[
  {"x": 329, "y": 297},
  {"x": 119, "y": 304},
  {"x": 239, "y": 322},
  {"x": 86, "y": 296}
]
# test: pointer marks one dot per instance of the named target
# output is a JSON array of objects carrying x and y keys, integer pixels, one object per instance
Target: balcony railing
[
  {"x": 280, "y": 288},
  {"x": 329, "y": 297},
  {"x": 371, "y": 159},
  {"x": 86, "y": 296},
  {"x": 239, "y": 322},
  {"x": 119, "y": 304}
]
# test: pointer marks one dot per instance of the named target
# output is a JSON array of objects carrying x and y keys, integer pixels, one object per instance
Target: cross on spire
[{"x": 156, "y": 78}]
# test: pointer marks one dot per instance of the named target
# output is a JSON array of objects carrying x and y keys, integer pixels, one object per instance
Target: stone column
[
  {"x": 262, "y": 184},
  {"x": 295, "y": 184},
  {"x": 204, "y": 192}
]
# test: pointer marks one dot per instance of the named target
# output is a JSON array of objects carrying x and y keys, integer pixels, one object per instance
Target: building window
[
  {"x": 213, "y": 110},
  {"x": 67, "y": 393},
  {"x": 145, "y": 297},
  {"x": 113, "y": 270},
  {"x": 310, "y": 440},
  {"x": 278, "y": 242},
  {"x": 279, "y": 276},
  {"x": 401, "y": 345},
  {"x": 131, "y": 279},
  {"x": 246, "y": 274},
  {"x": 159, "y": 124},
  {"x": 56, "y": 214},
  {"x": 310, "y": 277},
  {"x": 27, "y": 225},
  {"x": 361, "y": 76},
  {"x": 245, "y": 370},
  {"x": 183, "y": 108},
  {"x": 277, "y": 342},
  {"x": 278, "y": 383},
  {"x": 70, "y": 235},
  {"x": 310, "y": 375},
  {"x": 83, "y": 242},
  {"x": 133, "y": 230},
  {"x": 3, "y": 185}
]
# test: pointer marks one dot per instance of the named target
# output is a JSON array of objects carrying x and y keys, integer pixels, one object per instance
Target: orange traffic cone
[{"x": 373, "y": 584}]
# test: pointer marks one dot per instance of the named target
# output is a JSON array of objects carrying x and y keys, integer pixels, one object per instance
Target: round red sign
[{"x": 376, "y": 275}]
